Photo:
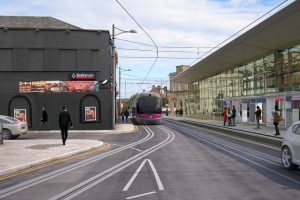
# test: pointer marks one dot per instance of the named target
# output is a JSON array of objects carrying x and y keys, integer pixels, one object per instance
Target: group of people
[
  {"x": 229, "y": 115},
  {"x": 179, "y": 112},
  {"x": 64, "y": 122},
  {"x": 124, "y": 115},
  {"x": 276, "y": 118}
]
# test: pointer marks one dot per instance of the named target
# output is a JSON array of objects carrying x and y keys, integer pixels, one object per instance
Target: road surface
[{"x": 172, "y": 161}]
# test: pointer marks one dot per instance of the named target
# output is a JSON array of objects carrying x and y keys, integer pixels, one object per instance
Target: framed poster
[
  {"x": 90, "y": 113},
  {"x": 20, "y": 114}
]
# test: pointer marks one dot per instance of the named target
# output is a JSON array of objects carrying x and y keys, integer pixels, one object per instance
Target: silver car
[
  {"x": 290, "y": 149},
  {"x": 12, "y": 128}
]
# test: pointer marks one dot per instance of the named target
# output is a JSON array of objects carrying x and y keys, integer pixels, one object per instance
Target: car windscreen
[
  {"x": 148, "y": 105},
  {"x": 11, "y": 119},
  {"x": 4, "y": 121}
]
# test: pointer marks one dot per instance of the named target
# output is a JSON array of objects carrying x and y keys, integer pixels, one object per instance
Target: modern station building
[
  {"x": 47, "y": 62},
  {"x": 259, "y": 68}
]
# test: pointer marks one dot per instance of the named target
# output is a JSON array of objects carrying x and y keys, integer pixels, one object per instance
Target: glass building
[{"x": 259, "y": 68}]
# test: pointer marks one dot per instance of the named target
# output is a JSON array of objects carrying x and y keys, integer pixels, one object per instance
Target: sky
[{"x": 182, "y": 31}]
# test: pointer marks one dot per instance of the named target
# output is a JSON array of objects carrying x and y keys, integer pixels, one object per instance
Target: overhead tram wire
[
  {"x": 218, "y": 46},
  {"x": 163, "y": 51},
  {"x": 165, "y": 47},
  {"x": 162, "y": 57},
  {"x": 146, "y": 34}
]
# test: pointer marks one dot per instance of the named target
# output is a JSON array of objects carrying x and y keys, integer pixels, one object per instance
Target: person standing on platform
[
  {"x": 276, "y": 120},
  {"x": 225, "y": 115},
  {"x": 44, "y": 119},
  {"x": 257, "y": 116},
  {"x": 229, "y": 117},
  {"x": 233, "y": 115},
  {"x": 64, "y": 121}
]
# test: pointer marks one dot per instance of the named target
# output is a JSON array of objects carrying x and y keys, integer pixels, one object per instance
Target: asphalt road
[{"x": 169, "y": 162}]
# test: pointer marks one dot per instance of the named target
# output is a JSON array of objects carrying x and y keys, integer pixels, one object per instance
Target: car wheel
[
  {"x": 286, "y": 159},
  {"x": 6, "y": 134},
  {"x": 15, "y": 137}
]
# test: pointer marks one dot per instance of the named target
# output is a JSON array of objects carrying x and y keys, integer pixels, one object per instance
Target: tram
[{"x": 147, "y": 108}]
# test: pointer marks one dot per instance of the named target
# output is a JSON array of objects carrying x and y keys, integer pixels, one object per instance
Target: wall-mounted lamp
[
  {"x": 68, "y": 31},
  {"x": 37, "y": 30},
  {"x": 104, "y": 82},
  {"x": 5, "y": 29}
]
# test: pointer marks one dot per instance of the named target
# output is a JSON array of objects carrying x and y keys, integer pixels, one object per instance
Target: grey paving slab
[{"x": 30, "y": 151}]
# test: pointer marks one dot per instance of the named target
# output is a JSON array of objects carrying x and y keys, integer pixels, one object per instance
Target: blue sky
[{"x": 170, "y": 23}]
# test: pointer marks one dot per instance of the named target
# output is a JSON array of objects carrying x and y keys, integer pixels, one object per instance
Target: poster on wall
[
  {"x": 58, "y": 86},
  {"x": 20, "y": 114},
  {"x": 90, "y": 113}
]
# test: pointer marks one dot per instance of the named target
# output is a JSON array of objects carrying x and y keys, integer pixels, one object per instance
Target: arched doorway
[
  {"x": 90, "y": 109},
  {"x": 20, "y": 107}
]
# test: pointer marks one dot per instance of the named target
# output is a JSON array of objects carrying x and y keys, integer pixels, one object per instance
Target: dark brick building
[{"x": 47, "y": 62}]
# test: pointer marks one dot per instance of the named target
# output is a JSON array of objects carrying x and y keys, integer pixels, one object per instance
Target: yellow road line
[{"x": 54, "y": 161}]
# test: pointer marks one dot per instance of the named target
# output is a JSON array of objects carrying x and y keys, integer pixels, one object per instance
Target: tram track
[
  {"x": 40, "y": 179},
  {"x": 91, "y": 182},
  {"x": 236, "y": 151},
  {"x": 260, "y": 155}
]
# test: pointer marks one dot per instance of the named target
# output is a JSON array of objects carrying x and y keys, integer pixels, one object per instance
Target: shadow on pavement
[{"x": 43, "y": 146}]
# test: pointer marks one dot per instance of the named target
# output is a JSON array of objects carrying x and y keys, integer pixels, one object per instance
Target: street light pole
[
  {"x": 113, "y": 78},
  {"x": 119, "y": 90},
  {"x": 113, "y": 75}
]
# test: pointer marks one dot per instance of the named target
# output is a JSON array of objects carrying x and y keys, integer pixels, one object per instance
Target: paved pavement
[
  {"x": 264, "y": 130},
  {"x": 33, "y": 149}
]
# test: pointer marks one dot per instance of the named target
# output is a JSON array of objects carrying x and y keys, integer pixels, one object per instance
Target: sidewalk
[
  {"x": 264, "y": 130},
  {"x": 264, "y": 135},
  {"x": 25, "y": 153}
]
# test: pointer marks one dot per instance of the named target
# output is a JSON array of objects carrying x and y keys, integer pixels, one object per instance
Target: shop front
[
  {"x": 84, "y": 97},
  {"x": 56, "y": 68}
]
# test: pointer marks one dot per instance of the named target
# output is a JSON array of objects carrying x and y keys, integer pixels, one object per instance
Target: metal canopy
[{"x": 280, "y": 31}]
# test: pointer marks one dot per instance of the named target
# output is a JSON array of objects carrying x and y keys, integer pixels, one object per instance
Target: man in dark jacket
[
  {"x": 258, "y": 116},
  {"x": 126, "y": 115},
  {"x": 233, "y": 115},
  {"x": 64, "y": 121},
  {"x": 44, "y": 119}
]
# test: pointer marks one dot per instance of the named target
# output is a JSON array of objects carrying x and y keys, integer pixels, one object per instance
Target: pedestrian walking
[
  {"x": 229, "y": 117},
  {"x": 225, "y": 115},
  {"x": 126, "y": 115},
  {"x": 258, "y": 116},
  {"x": 123, "y": 116},
  {"x": 276, "y": 120},
  {"x": 180, "y": 112},
  {"x": 44, "y": 119},
  {"x": 233, "y": 115},
  {"x": 64, "y": 121}
]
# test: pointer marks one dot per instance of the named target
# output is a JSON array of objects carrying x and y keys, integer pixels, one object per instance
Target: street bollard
[{"x": 1, "y": 134}]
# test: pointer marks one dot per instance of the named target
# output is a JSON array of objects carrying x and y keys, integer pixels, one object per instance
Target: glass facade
[{"x": 271, "y": 75}]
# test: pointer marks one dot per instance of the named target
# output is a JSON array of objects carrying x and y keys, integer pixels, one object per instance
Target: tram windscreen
[{"x": 148, "y": 105}]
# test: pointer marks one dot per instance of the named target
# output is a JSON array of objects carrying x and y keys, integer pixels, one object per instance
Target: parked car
[
  {"x": 12, "y": 128},
  {"x": 290, "y": 149}
]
